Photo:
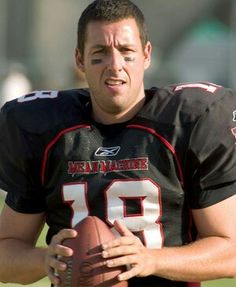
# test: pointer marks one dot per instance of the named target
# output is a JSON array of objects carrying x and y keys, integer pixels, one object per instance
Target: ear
[
  {"x": 147, "y": 55},
  {"x": 79, "y": 60}
]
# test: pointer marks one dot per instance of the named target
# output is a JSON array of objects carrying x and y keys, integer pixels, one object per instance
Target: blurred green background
[{"x": 37, "y": 44}]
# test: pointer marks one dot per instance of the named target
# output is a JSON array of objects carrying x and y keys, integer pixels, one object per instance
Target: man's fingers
[
  {"x": 119, "y": 250},
  {"x": 121, "y": 241},
  {"x": 62, "y": 235},
  {"x": 134, "y": 271},
  {"x": 60, "y": 250},
  {"x": 56, "y": 247},
  {"x": 53, "y": 278},
  {"x": 56, "y": 264},
  {"x": 122, "y": 229}
]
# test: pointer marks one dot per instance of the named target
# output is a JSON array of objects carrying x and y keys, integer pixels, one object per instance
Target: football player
[{"x": 158, "y": 165}]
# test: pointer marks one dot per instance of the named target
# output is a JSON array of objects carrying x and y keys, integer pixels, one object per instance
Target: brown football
[{"x": 86, "y": 266}]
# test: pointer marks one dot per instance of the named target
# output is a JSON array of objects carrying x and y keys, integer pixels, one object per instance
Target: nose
[{"x": 116, "y": 61}]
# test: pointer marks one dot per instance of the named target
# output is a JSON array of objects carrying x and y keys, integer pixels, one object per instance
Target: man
[{"x": 158, "y": 165}]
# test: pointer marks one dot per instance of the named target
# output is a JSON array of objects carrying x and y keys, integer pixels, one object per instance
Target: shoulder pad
[
  {"x": 183, "y": 103},
  {"x": 40, "y": 111}
]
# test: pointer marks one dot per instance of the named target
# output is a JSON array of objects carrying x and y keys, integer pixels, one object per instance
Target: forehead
[{"x": 123, "y": 32}]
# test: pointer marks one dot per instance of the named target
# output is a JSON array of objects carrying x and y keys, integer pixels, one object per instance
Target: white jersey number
[
  {"x": 117, "y": 195},
  {"x": 38, "y": 95}
]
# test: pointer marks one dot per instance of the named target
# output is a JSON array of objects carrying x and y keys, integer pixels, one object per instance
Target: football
[{"x": 86, "y": 266}]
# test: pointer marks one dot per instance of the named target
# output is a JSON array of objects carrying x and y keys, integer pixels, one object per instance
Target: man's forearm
[
  {"x": 206, "y": 259},
  {"x": 20, "y": 262}
]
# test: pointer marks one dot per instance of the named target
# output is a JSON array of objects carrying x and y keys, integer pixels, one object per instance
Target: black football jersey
[{"x": 176, "y": 154}]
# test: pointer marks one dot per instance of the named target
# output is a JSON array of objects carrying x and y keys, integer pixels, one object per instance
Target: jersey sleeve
[
  {"x": 211, "y": 163},
  {"x": 19, "y": 166}
]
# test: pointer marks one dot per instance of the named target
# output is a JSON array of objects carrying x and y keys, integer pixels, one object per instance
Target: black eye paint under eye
[
  {"x": 129, "y": 59},
  {"x": 96, "y": 61}
]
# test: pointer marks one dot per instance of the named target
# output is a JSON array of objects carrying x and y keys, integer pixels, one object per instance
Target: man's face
[{"x": 114, "y": 62}]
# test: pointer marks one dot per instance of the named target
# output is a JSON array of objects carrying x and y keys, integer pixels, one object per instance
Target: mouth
[{"x": 115, "y": 82}]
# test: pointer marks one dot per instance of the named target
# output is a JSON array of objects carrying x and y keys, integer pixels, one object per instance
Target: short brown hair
[{"x": 110, "y": 11}]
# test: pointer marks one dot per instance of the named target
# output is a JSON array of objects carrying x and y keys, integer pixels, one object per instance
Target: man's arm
[
  {"x": 20, "y": 261},
  {"x": 210, "y": 257}
]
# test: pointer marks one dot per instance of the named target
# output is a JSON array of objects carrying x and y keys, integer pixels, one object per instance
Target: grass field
[{"x": 45, "y": 282}]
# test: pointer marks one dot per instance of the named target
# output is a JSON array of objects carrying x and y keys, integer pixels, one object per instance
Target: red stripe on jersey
[
  {"x": 194, "y": 284},
  {"x": 53, "y": 142},
  {"x": 166, "y": 143}
]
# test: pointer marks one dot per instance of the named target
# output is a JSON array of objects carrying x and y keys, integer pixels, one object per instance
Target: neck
[{"x": 114, "y": 118}]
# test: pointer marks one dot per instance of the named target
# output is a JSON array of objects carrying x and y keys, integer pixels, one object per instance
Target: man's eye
[{"x": 96, "y": 61}]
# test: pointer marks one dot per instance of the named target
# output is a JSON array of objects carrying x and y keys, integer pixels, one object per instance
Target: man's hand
[
  {"x": 55, "y": 251},
  {"x": 128, "y": 250}
]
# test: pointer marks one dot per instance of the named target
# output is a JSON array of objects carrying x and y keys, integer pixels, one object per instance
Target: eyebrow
[
  {"x": 106, "y": 47},
  {"x": 99, "y": 46}
]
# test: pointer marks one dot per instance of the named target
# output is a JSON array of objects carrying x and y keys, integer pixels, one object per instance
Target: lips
[{"x": 114, "y": 82}]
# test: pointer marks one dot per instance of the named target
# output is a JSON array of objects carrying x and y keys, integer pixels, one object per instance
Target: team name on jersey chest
[{"x": 105, "y": 166}]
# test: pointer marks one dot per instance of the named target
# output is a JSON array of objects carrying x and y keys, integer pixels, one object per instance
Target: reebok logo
[{"x": 107, "y": 151}]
